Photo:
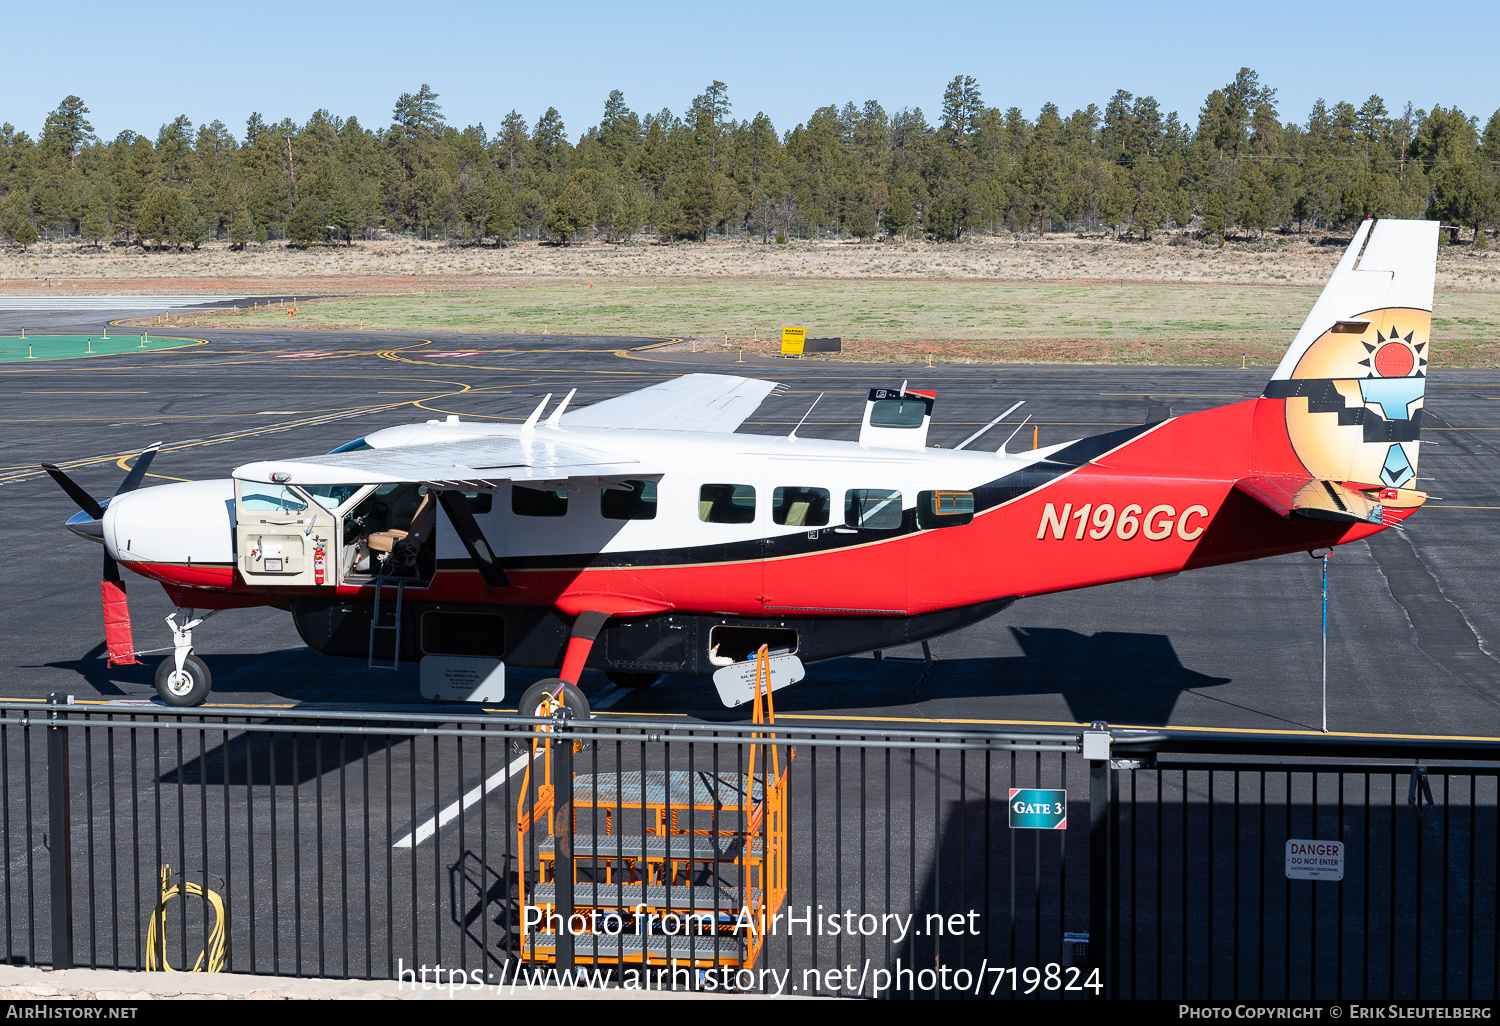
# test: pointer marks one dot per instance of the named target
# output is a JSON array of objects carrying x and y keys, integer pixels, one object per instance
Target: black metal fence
[{"x": 384, "y": 846}]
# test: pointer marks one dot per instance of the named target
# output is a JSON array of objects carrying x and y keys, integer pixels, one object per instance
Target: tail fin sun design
[{"x": 1356, "y": 374}]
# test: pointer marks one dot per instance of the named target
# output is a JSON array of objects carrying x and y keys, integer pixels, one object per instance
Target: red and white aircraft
[{"x": 641, "y": 535}]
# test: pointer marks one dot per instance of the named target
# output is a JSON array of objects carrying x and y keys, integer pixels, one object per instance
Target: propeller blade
[
  {"x": 138, "y": 471},
  {"x": 86, "y": 502},
  {"x": 111, "y": 569}
]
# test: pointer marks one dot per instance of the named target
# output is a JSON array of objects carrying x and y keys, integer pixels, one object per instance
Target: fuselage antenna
[
  {"x": 806, "y": 415},
  {"x": 975, "y": 435},
  {"x": 530, "y": 424},
  {"x": 553, "y": 420},
  {"x": 1001, "y": 451}
]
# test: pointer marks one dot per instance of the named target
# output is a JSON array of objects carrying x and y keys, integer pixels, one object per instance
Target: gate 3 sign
[{"x": 1037, "y": 809}]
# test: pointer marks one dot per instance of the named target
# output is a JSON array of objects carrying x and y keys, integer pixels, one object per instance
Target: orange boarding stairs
[{"x": 689, "y": 867}]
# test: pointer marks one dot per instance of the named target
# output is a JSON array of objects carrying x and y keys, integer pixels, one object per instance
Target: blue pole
[{"x": 1326, "y": 557}]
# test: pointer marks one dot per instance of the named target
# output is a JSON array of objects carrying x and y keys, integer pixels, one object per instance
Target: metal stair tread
[
  {"x": 699, "y": 898},
  {"x": 603, "y": 945},
  {"x": 658, "y": 846},
  {"x": 702, "y": 788}
]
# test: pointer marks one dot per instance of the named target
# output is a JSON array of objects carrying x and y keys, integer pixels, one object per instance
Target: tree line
[{"x": 850, "y": 171}]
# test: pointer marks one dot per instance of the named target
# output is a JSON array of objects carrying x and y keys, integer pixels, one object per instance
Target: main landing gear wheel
[
  {"x": 186, "y": 687},
  {"x": 532, "y": 701},
  {"x": 631, "y": 680}
]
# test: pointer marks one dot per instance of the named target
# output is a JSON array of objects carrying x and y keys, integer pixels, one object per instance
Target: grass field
[{"x": 890, "y": 320}]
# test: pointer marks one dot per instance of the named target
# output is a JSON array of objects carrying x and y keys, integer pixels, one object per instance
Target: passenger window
[
  {"x": 876, "y": 508},
  {"x": 533, "y": 502},
  {"x": 629, "y": 500},
  {"x": 479, "y": 502},
  {"x": 898, "y": 413},
  {"x": 800, "y": 507},
  {"x": 726, "y": 504},
  {"x": 944, "y": 509}
]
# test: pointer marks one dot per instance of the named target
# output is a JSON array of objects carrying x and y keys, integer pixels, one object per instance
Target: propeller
[
  {"x": 112, "y": 587},
  {"x": 87, "y": 502}
]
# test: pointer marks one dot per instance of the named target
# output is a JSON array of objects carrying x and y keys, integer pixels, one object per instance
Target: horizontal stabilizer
[{"x": 1322, "y": 499}]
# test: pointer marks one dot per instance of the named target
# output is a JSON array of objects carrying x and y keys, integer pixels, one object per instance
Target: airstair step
[
  {"x": 627, "y": 896},
  {"x": 632, "y": 947},
  {"x": 702, "y": 788},
  {"x": 656, "y": 846}
]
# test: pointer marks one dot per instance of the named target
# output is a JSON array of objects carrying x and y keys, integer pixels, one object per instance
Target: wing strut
[{"x": 473, "y": 538}]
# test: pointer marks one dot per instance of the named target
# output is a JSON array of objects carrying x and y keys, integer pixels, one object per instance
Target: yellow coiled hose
[{"x": 156, "y": 927}]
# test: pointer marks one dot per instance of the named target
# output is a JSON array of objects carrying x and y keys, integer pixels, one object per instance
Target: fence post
[
  {"x": 59, "y": 832},
  {"x": 562, "y": 783},
  {"x": 1096, "y": 750}
]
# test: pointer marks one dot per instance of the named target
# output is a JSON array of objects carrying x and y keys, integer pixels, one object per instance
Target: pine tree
[
  {"x": 241, "y": 231},
  {"x": 95, "y": 223},
  {"x": 630, "y": 212},
  {"x": 158, "y": 220},
  {"x": 1213, "y": 215},
  {"x": 67, "y": 129},
  {"x": 344, "y": 213},
  {"x": 307, "y": 226},
  {"x": 961, "y": 109},
  {"x": 190, "y": 228},
  {"x": 25, "y": 233},
  {"x": 900, "y": 213},
  {"x": 570, "y": 214}
]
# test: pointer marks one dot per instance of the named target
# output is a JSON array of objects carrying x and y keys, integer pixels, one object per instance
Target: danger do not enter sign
[{"x": 1314, "y": 860}]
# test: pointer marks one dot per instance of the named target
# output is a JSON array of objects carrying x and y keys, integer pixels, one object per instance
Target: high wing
[
  {"x": 464, "y": 462},
  {"x": 693, "y": 402}
]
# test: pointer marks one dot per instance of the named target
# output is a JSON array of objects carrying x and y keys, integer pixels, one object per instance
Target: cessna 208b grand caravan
[{"x": 641, "y": 535}]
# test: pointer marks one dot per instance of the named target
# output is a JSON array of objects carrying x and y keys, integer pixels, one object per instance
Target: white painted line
[
  {"x": 608, "y": 697},
  {"x": 450, "y": 813}
]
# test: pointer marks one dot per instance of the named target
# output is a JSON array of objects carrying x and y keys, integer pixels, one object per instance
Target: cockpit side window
[{"x": 270, "y": 499}]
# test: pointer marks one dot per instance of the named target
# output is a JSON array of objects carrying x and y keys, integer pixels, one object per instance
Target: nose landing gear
[{"x": 182, "y": 679}]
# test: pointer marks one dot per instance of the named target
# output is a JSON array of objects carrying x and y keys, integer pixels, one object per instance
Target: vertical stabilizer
[{"x": 1355, "y": 376}]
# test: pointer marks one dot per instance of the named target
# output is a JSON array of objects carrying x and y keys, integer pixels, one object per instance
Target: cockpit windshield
[
  {"x": 331, "y": 496},
  {"x": 358, "y": 445}
]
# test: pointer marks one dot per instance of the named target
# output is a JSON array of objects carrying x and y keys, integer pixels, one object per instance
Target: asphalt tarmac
[{"x": 1413, "y": 618}]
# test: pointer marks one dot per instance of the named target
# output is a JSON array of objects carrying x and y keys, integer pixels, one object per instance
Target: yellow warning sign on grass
[{"x": 792, "y": 340}]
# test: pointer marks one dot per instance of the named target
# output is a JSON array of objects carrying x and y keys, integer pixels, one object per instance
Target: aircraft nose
[{"x": 192, "y": 522}]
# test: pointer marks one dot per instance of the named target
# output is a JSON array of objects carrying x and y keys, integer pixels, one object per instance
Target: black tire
[
  {"x": 188, "y": 689},
  {"x": 531, "y": 701},
  {"x": 631, "y": 680}
]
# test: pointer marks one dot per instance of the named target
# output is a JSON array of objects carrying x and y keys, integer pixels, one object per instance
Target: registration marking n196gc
[{"x": 1098, "y": 522}]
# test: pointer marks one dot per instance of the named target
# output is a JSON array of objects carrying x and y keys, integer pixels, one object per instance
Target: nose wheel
[
  {"x": 183, "y": 679},
  {"x": 186, "y": 685}
]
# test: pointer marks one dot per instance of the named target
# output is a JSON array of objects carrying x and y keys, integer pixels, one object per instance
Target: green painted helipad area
[{"x": 14, "y": 348}]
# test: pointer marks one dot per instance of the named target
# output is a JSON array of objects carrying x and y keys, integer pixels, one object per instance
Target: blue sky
[{"x": 139, "y": 65}]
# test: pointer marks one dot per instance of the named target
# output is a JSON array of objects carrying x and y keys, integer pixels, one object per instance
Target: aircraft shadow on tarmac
[
  {"x": 1116, "y": 676},
  {"x": 1119, "y": 677}
]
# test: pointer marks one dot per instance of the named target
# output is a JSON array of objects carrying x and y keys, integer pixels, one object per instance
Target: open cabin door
[{"x": 284, "y": 535}]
